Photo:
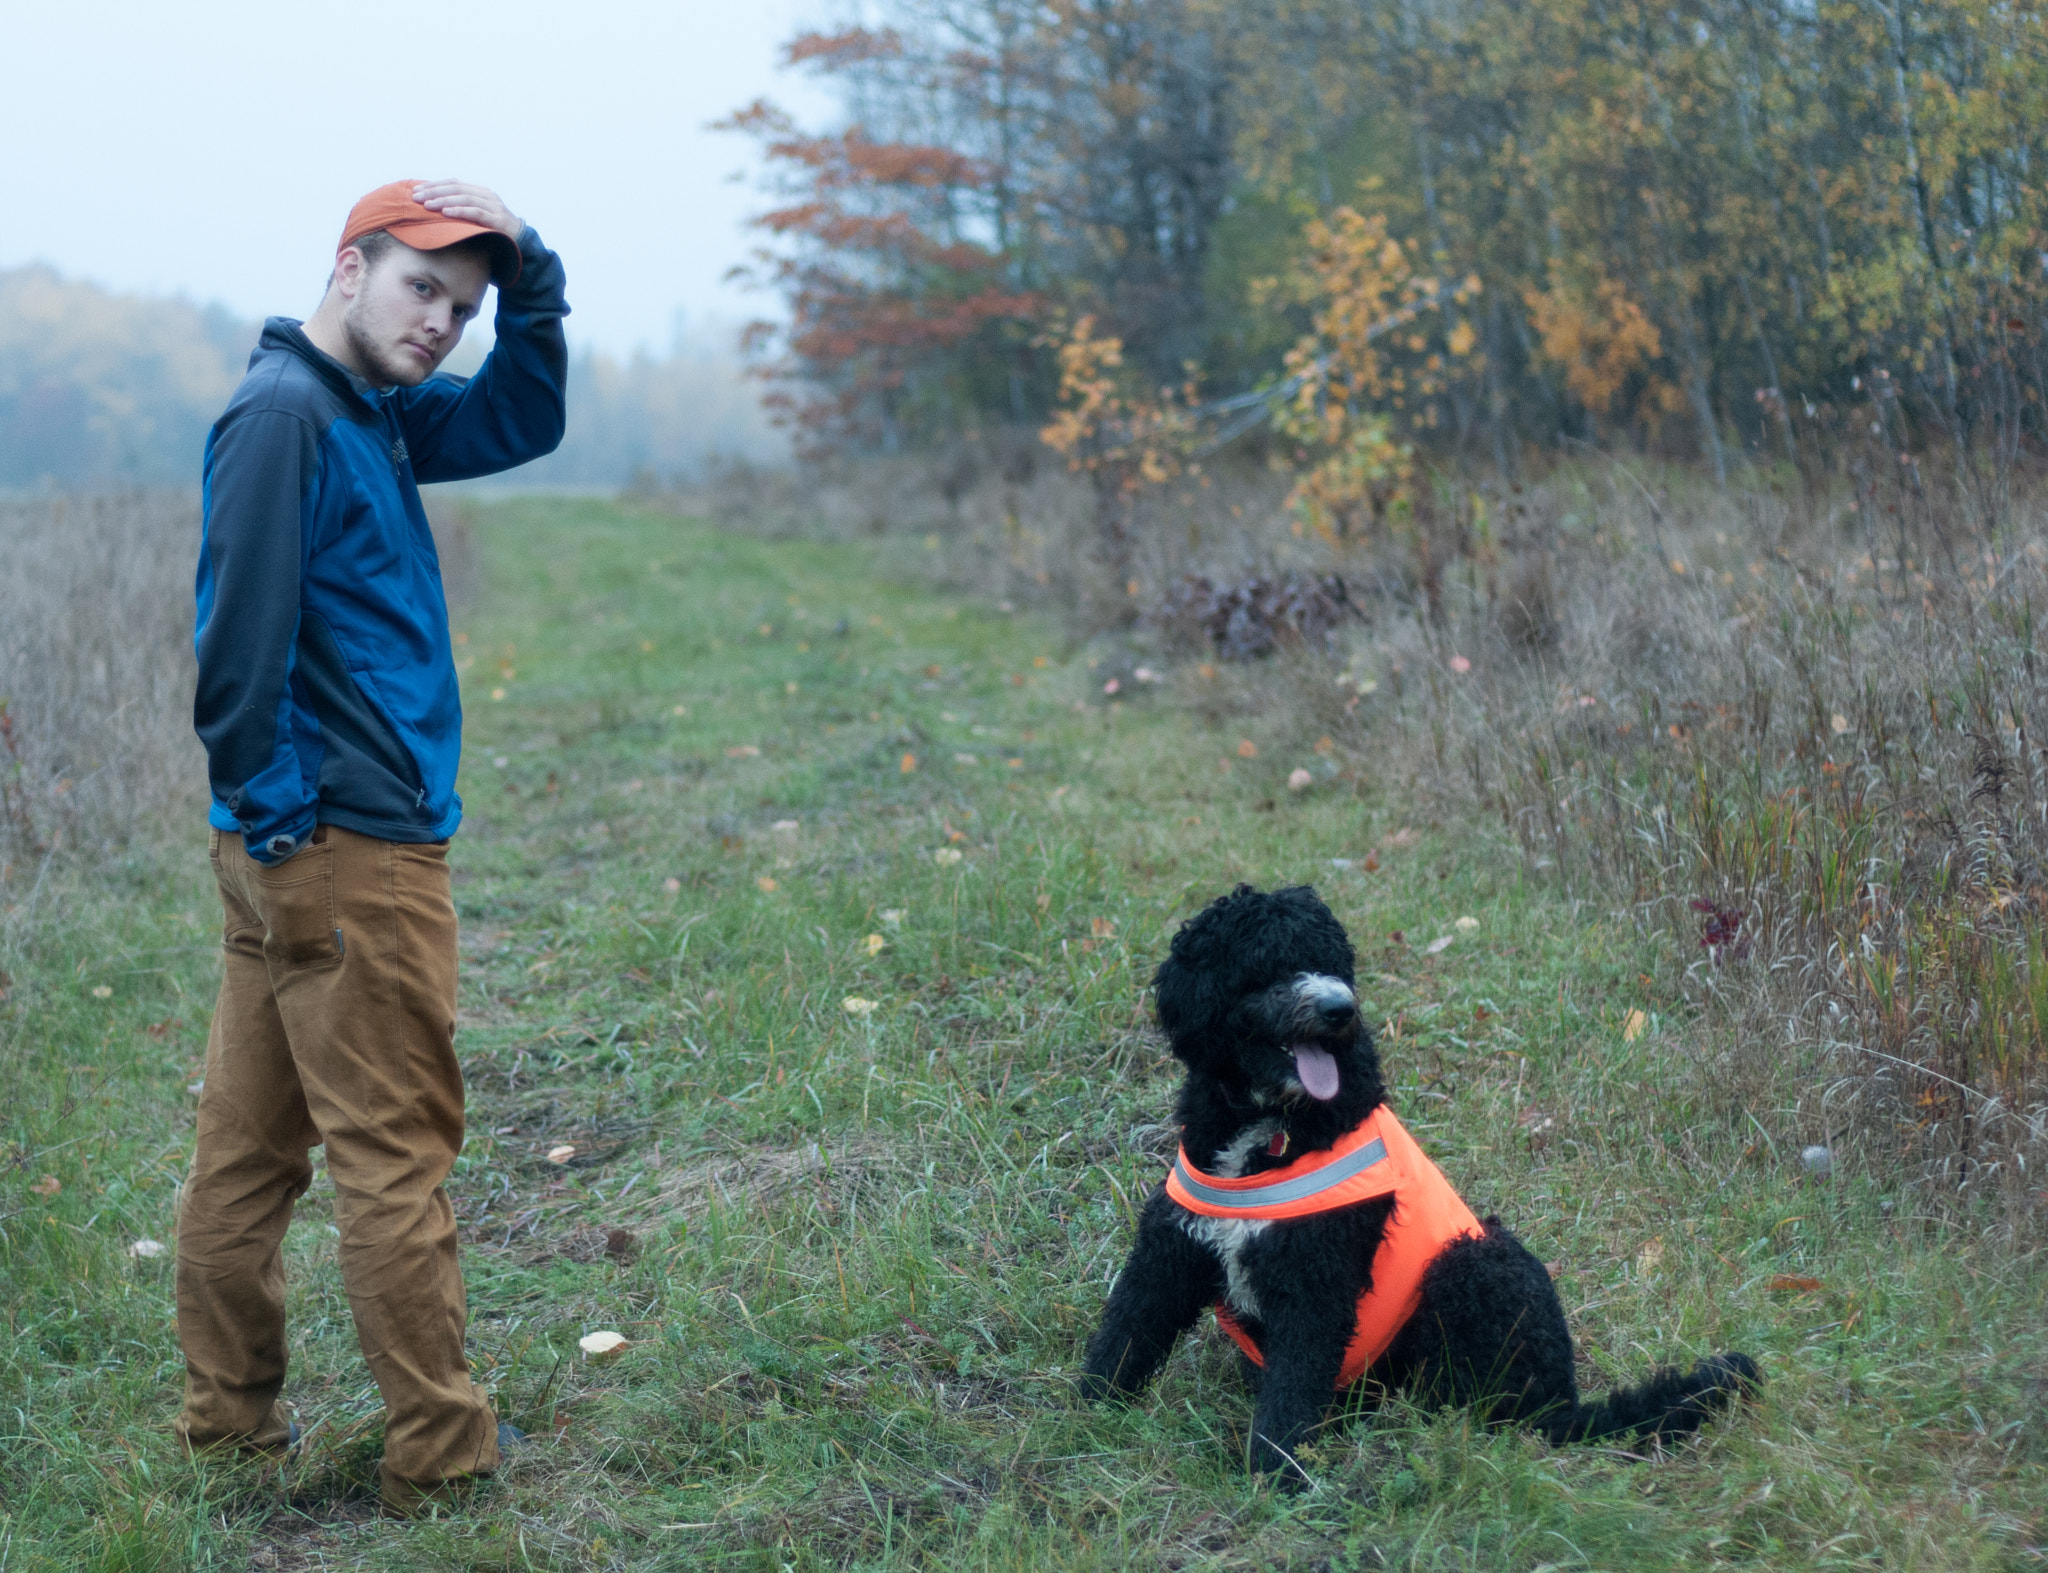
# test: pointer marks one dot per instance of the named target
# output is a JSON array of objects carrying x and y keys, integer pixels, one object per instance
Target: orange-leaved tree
[
  {"x": 906, "y": 302},
  {"x": 1364, "y": 379}
]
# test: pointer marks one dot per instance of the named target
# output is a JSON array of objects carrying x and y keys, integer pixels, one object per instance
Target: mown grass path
[{"x": 815, "y": 912}]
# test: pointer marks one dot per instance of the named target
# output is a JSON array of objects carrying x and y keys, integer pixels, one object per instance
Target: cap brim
[{"x": 438, "y": 234}]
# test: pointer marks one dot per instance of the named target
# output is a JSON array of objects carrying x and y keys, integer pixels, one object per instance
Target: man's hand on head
[{"x": 473, "y": 204}]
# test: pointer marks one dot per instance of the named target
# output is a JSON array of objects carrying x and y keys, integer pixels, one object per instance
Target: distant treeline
[
  {"x": 1685, "y": 224},
  {"x": 105, "y": 390}
]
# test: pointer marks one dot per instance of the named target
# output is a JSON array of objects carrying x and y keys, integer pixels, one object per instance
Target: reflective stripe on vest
[{"x": 1300, "y": 1188}]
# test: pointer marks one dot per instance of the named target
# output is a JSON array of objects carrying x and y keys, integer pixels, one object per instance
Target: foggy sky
[{"x": 214, "y": 148}]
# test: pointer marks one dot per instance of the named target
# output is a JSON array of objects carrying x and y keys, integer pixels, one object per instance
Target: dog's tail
[{"x": 1671, "y": 1404}]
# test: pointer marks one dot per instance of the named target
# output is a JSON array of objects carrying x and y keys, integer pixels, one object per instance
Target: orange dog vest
[{"x": 1377, "y": 1158}]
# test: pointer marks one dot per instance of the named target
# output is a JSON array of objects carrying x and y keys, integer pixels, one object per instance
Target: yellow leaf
[
  {"x": 908, "y": 764},
  {"x": 561, "y": 1154},
  {"x": 875, "y": 944},
  {"x": 600, "y": 1344},
  {"x": 1632, "y": 1026},
  {"x": 767, "y": 885},
  {"x": 854, "y": 1005}
]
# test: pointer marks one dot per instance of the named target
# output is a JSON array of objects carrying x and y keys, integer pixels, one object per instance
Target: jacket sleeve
[
  {"x": 260, "y": 471},
  {"x": 514, "y": 409}
]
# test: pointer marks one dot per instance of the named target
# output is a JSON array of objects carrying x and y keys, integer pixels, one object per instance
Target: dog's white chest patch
[{"x": 1228, "y": 1237}]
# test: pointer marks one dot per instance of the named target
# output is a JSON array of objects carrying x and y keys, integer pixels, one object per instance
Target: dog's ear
[{"x": 1200, "y": 980}]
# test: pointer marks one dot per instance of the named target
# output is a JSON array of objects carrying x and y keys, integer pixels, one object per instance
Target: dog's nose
[{"x": 1335, "y": 1012}]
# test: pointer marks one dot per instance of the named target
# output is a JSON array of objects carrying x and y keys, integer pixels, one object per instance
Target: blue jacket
[{"x": 327, "y": 689}]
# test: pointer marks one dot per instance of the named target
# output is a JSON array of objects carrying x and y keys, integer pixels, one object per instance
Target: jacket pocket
[
  {"x": 365, "y": 766},
  {"x": 295, "y": 900}
]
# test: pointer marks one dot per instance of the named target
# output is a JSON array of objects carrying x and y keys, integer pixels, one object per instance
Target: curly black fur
[{"x": 1246, "y": 985}]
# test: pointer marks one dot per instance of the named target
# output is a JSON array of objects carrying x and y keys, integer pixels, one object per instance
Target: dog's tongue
[{"x": 1317, "y": 1070}]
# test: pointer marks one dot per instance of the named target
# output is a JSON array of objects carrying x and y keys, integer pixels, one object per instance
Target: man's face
[{"x": 406, "y": 311}]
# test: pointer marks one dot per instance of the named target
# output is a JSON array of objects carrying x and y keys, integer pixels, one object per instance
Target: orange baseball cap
[{"x": 392, "y": 209}]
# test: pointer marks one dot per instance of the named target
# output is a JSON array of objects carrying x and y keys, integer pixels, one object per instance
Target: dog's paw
[
  {"x": 1279, "y": 1467},
  {"x": 1092, "y": 1387}
]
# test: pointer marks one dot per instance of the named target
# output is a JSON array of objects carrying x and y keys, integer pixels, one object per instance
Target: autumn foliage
[{"x": 1715, "y": 229}]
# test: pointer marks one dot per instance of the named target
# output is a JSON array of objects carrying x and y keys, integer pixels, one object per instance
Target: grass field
[{"x": 722, "y": 795}]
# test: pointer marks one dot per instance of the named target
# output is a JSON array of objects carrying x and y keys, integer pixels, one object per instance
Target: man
[{"x": 332, "y": 722}]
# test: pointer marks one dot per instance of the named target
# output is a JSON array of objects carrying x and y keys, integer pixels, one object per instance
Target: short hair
[{"x": 379, "y": 244}]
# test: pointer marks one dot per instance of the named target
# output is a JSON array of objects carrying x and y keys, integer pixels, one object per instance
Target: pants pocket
[{"x": 295, "y": 899}]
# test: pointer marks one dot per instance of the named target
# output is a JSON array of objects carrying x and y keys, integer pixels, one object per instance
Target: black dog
[{"x": 1256, "y": 996}]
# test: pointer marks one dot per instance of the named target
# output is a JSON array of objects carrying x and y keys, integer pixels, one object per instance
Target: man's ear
[{"x": 351, "y": 267}]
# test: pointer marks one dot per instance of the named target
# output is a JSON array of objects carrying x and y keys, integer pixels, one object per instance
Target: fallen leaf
[
  {"x": 671, "y": 884},
  {"x": 1372, "y": 863},
  {"x": 1014, "y": 764},
  {"x": 966, "y": 759},
  {"x": 1114, "y": 685},
  {"x": 742, "y": 751},
  {"x": 786, "y": 827},
  {"x": 147, "y": 1250},
  {"x": 1650, "y": 1255},
  {"x": 1460, "y": 665},
  {"x": 907, "y": 764},
  {"x": 854, "y": 1005},
  {"x": 892, "y": 917},
  {"x": 1247, "y": 749},
  {"x": 561, "y": 1154},
  {"x": 1632, "y": 1026},
  {"x": 767, "y": 885},
  {"x": 1792, "y": 1283},
  {"x": 102, "y": 992},
  {"x": 946, "y": 857},
  {"x": 1044, "y": 902},
  {"x": 875, "y": 944},
  {"x": 48, "y": 1185},
  {"x": 1205, "y": 671},
  {"x": 1406, "y": 836},
  {"x": 1298, "y": 780},
  {"x": 1466, "y": 925},
  {"x": 1102, "y": 928},
  {"x": 1441, "y": 943},
  {"x": 1326, "y": 745},
  {"x": 598, "y": 1345},
  {"x": 1838, "y": 723}
]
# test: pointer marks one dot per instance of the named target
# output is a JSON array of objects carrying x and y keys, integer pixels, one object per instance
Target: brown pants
[{"x": 336, "y": 1024}]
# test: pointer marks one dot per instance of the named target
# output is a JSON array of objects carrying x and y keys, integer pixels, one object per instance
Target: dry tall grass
[
  {"x": 1796, "y": 731},
  {"x": 96, "y": 672}
]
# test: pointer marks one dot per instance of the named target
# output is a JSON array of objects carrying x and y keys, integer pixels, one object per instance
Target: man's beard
[{"x": 380, "y": 369}]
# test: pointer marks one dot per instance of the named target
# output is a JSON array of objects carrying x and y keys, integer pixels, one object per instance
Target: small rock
[
  {"x": 147, "y": 1250},
  {"x": 1818, "y": 1160}
]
